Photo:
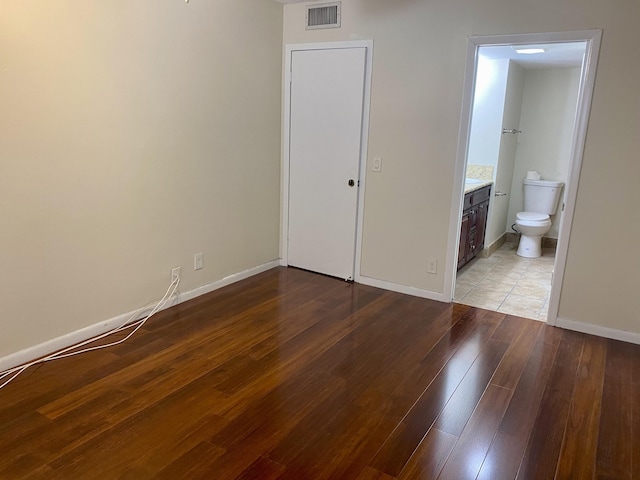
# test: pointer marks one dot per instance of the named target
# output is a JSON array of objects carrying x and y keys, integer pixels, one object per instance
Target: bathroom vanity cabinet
[{"x": 474, "y": 224}]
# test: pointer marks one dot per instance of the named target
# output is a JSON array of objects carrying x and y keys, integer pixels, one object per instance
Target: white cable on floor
[{"x": 12, "y": 373}]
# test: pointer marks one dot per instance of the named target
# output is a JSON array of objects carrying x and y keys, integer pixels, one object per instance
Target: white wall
[
  {"x": 418, "y": 73},
  {"x": 499, "y": 206},
  {"x": 488, "y": 110},
  {"x": 132, "y": 135},
  {"x": 547, "y": 124}
]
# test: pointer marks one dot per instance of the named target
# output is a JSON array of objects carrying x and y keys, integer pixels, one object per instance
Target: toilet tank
[{"x": 542, "y": 196}]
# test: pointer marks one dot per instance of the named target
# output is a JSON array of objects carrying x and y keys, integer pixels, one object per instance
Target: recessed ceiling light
[{"x": 530, "y": 51}]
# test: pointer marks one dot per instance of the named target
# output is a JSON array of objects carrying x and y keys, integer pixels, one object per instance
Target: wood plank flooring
[{"x": 292, "y": 375}]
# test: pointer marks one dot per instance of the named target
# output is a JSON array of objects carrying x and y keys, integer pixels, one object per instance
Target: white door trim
[
  {"x": 585, "y": 94},
  {"x": 364, "y": 141}
]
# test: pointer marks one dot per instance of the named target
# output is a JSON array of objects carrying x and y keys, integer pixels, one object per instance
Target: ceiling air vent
[{"x": 326, "y": 15}]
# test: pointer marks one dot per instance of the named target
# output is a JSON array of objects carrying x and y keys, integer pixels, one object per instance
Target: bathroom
[{"x": 523, "y": 117}]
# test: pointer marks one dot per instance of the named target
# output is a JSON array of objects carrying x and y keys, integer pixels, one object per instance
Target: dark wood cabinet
[{"x": 474, "y": 224}]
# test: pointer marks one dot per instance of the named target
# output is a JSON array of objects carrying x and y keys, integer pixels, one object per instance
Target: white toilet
[{"x": 540, "y": 200}]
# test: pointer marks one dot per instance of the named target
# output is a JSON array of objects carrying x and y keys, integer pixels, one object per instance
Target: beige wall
[
  {"x": 497, "y": 105},
  {"x": 132, "y": 135},
  {"x": 418, "y": 71},
  {"x": 547, "y": 123}
]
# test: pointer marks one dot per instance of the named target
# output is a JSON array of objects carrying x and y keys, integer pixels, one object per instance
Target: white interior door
[{"x": 326, "y": 110}]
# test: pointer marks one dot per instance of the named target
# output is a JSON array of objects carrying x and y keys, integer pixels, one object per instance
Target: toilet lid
[{"x": 532, "y": 216}]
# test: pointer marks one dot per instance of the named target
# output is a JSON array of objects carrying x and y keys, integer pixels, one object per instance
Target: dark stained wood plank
[
  {"x": 394, "y": 390},
  {"x": 262, "y": 468},
  {"x": 309, "y": 346},
  {"x": 21, "y": 465},
  {"x": 581, "y": 434},
  {"x": 307, "y": 379},
  {"x": 416, "y": 367},
  {"x": 280, "y": 409},
  {"x": 635, "y": 430},
  {"x": 22, "y": 425},
  {"x": 463, "y": 402},
  {"x": 398, "y": 448},
  {"x": 614, "y": 454},
  {"x": 524, "y": 405},
  {"x": 382, "y": 392},
  {"x": 373, "y": 474},
  {"x": 405, "y": 378},
  {"x": 325, "y": 422},
  {"x": 44, "y": 383},
  {"x": 428, "y": 460},
  {"x": 551, "y": 335},
  {"x": 176, "y": 425},
  {"x": 341, "y": 437},
  {"x": 633, "y": 354},
  {"x": 465, "y": 324},
  {"x": 506, "y": 452},
  {"x": 502, "y": 459},
  {"x": 293, "y": 375},
  {"x": 468, "y": 455},
  {"x": 508, "y": 372},
  {"x": 161, "y": 386},
  {"x": 510, "y": 328},
  {"x": 291, "y": 432},
  {"x": 69, "y": 431},
  {"x": 44, "y": 473},
  {"x": 543, "y": 449},
  {"x": 195, "y": 463}
]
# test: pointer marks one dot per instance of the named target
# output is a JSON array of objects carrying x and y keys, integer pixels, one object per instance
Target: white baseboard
[
  {"x": 236, "y": 277},
  {"x": 396, "y": 287},
  {"x": 43, "y": 349},
  {"x": 38, "y": 351},
  {"x": 598, "y": 330}
]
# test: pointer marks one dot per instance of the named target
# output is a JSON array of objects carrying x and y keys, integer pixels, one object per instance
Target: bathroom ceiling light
[{"x": 530, "y": 51}]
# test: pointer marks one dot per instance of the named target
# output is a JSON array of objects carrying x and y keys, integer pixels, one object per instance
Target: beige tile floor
[{"x": 507, "y": 283}]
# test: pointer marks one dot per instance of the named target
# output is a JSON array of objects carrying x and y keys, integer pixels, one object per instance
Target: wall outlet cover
[
  {"x": 175, "y": 273},
  {"x": 197, "y": 261},
  {"x": 432, "y": 265}
]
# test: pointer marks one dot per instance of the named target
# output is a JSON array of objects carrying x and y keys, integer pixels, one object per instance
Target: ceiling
[{"x": 556, "y": 54}]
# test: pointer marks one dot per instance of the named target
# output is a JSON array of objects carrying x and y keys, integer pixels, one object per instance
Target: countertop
[{"x": 472, "y": 187}]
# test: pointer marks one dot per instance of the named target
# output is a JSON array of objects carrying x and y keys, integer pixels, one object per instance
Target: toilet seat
[{"x": 532, "y": 219}]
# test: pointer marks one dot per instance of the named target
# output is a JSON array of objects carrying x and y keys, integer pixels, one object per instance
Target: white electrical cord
[{"x": 12, "y": 373}]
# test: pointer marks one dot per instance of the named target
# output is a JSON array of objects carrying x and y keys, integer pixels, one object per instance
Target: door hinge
[{"x": 358, "y": 182}]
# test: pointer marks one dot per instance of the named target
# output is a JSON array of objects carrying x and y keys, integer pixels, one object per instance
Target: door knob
[{"x": 351, "y": 182}]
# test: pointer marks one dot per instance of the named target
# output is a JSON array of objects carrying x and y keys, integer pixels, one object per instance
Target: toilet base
[{"x": 530, "y": 246}]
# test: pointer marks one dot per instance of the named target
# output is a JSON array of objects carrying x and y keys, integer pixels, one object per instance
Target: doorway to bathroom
[{"x": 525, "y": 116}]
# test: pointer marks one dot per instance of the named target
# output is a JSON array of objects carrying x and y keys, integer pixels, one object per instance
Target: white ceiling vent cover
[{"x": 326, "y": 15}]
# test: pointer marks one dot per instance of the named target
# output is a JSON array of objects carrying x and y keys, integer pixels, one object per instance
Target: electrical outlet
[
  {"x": 175, "y": 274},
  {"x": 197, "y": 261},
  {"x": 377, "y": 164},
  {"x": 432, "y": 265}
]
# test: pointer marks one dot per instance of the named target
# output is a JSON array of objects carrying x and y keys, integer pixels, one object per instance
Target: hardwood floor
[{"x": 292, "y": 375}]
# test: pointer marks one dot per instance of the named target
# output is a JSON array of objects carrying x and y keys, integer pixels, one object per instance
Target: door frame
[
  {"x": 286, "y": 129},
  {"x": 585, "y": 95}
]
